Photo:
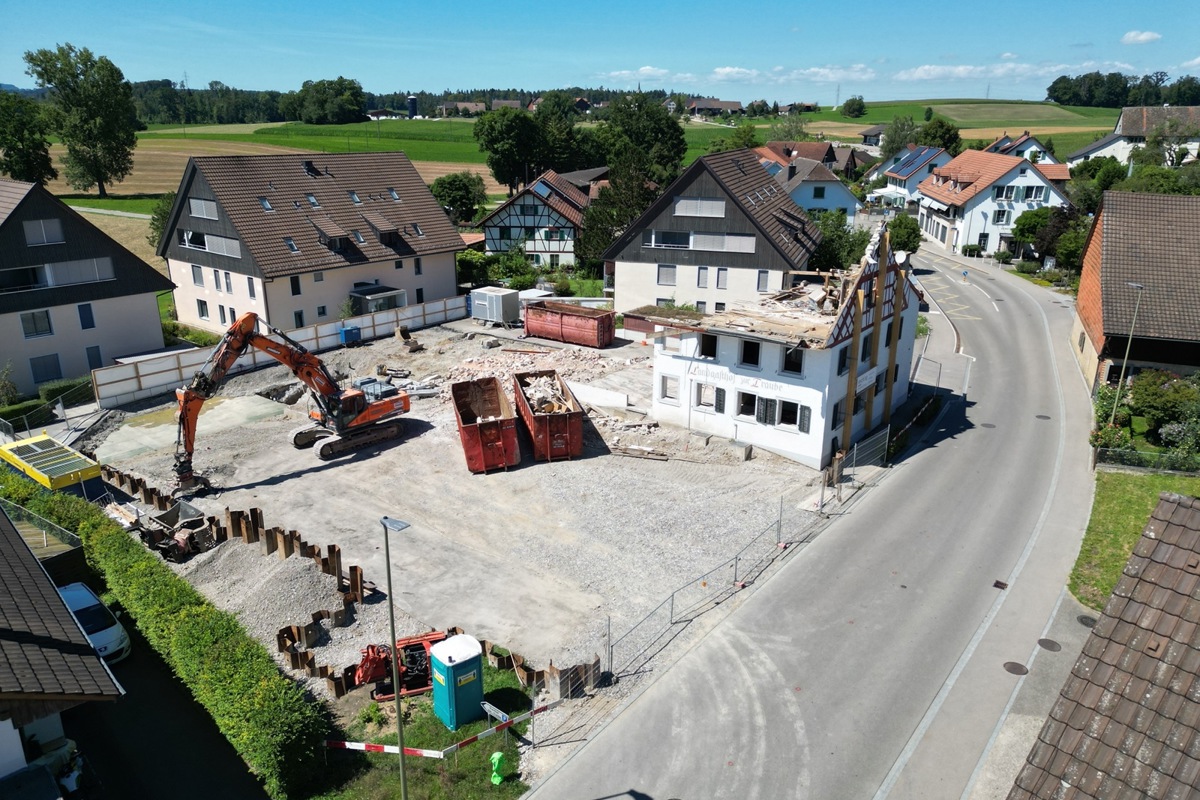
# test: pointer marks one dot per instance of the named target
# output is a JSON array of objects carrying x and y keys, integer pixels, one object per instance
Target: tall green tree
[
  {"x": 905, "y": 233},
  {"x": 743, "y": 136},
  {"x": 514, "y": 144},
  {"x": 461, "y": 192},
  {"x": 792, "y": 128},
  {"x": 841, "y": 244},
  {"x": 158, "y": 218},
  {"x": 940, "y": 132},
  {"x": 898, "y": 134},
  {"x": 93, "y": 113},
  {"x": 24, "y": 148},
  {"x": 854, "y": 107},
  {"x": 331, "y": 102},
  {"x": 641, "y": 122},
  {"x": 625, "y": 197}
]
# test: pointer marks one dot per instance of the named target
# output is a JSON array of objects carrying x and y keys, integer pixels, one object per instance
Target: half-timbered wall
[{"x": 548, "y": 237}]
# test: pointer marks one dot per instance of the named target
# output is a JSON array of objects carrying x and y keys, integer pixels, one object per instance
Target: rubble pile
[{"x": 546, "y": 397}]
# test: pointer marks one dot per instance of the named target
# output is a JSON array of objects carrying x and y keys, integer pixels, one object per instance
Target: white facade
[
  {"x": 67, "y": 341},
  {"x": 987, "y": 218},
  {"x": 768, "y": 394},
  {"x": 211, "y": 299},
  {"x": 548, "y": 236},
  {"x": 1118, "y": 148},
  {"x": 711, "y": 289},
  {"x": 826, "y": 196}
]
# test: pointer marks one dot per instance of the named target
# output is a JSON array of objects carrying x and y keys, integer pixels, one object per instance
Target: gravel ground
[{"x": 537, "y": 559}]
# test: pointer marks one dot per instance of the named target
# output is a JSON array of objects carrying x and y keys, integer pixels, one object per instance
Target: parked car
[{"x": 102, "y": 628}]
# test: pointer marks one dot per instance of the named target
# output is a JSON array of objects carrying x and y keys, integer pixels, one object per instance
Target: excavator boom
[{"x": 338, "y": 411}]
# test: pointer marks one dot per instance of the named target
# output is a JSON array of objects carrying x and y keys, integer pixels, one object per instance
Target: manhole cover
[
  {"x": 1015, "y": 668},
  {"x": 998, "y": 299},
  {"x": 1086, "y": 621},
  {"x": 1043, "y": 416},
  {"x": 1049, "y": 644},
  {"x": 987, "y": 425}
]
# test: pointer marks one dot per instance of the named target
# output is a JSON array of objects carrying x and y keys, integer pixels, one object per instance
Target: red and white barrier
[{"x": 336, "y": 744}]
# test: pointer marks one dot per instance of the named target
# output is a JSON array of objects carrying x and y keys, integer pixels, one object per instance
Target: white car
[{"x": 103, "y": 630}]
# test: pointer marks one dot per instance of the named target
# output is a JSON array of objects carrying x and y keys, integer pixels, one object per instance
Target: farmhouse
[
  {"x": 544, "y": 218},
  {"x": 1139, "y": 260},
  {"x": 775, "y": 156},
  {"x": 976, "y": 198},
  {"x": 297, "y": 237},
  {"x": 724, "y": 231},
  {"x": 803, "y": 373},
  {"x": 71, "y": 298},
  {"x": 1136, "y": 124}
]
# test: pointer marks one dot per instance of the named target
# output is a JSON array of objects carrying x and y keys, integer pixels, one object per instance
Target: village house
[
  {"x": 1139, "y": 260},
  {"x": 544, "y": 218},
  {"x": 297, "y": 238},
  {"x": 712, "y": 107},
  {"x": 909, "y": 167},
  {"x": 775, "y": 156},
  {"x": 71, "y": 298},
  {"x": 804, "y": 373},
  {"x": 976, "y": 198},
  {"x": 873, "y": 135},
  {"x": 1024, "y": 146},
  {"x": 815, "y": 189},
  {"x": 724, "y": 231},
  {"x": 1136, "y": 124}
]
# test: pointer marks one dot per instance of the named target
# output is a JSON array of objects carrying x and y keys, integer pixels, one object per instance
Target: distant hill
[{"x": 8, "y": 87}]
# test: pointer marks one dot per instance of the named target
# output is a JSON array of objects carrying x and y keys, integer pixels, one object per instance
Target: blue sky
[{"x": 737, "y": 51}]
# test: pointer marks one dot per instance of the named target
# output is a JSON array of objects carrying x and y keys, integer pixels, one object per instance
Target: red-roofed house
[
  {"x": 775, "y": 156},
  {"x": 1025, "y": 146},
  {"x": 544, "y": 216},
  {"x": 976, "y": 198}
]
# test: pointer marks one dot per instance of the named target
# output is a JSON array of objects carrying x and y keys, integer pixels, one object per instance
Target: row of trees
[{"x": 1116, "y": 90}]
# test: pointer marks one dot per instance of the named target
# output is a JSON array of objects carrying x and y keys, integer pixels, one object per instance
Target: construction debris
[{"x": 546, "y": 397}]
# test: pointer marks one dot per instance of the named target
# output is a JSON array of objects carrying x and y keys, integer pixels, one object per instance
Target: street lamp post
[
  {"x": 1128, "y": 342},
  {"x": 394, "y": 526}
]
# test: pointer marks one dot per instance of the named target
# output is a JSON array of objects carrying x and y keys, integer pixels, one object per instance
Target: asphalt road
[{"x": 872, "y": 664}]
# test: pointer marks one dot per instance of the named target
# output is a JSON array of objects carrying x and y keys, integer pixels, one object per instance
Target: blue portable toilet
[{"x": 457, "y": 665}]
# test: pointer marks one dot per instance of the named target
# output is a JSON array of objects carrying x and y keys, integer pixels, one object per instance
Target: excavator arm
[{"x": 240, "y": 337}]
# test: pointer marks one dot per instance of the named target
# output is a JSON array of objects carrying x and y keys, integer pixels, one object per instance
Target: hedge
[
  {"x": 37, "y": 411},
  {"x": 264, "y": 714},
  {"x": 52, "y": 390}
]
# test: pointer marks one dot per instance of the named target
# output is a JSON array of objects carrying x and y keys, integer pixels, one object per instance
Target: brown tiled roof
[
  {"x": 1150, "y": 239},
  {"x": 1127, "y": 721},
  {"x": 806, "y": 170},
  {"x": 973, "y": 171},
  {"x": 565, "y": 198},
  {"x": 238, "y": 182},
  {"x": 782, "y": 223},
  {"x": 1054, "y": 172},
  {"x": 784, "y": 152},
  {"x": 11, "y": 195},
  {"x": 44, "y": 656},
  {"x": 1142, "y": 120}
]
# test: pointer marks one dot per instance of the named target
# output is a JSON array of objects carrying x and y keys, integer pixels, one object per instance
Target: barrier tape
[
  {"x": 382, "y": 748},
  {"x": 336, "y": 744}
]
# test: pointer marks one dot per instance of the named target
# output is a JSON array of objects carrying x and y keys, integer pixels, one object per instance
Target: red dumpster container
[
  {"x": 487, "y": 425},
  {"x": 565, "y": 322},
  {"x": 556, "y": 428}
]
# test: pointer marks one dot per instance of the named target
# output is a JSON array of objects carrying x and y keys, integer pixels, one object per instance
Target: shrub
[
  {"x": 1161, "y": 397},
  {"x": 562, "y": 287},
  {"x": 79, "y": 389},
  {"x": 1003, "y": 256},
  {"x": 1110, "y": 437},
  {"x": 176, "y": 331},
  {"x": 1028, "y": 267},
  {"x": 263, "y": 714},
  {"x": 31, "y": 412},
  {"x": 522, "y": 282}
]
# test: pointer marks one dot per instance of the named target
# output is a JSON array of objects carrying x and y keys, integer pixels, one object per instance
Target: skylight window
[
  {"x": 358, "y": 237},
  {"x": 312, "y": 200},
  {"x": 266, "y": 204},
  {"x": 417, "y": 229},
  {"x": 354, "y": 197},
  {"x": 394, "y": 194},
  {"x": 291, "y": 244}
]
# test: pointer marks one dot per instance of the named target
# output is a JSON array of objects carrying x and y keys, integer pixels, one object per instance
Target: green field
[
  {"x": 133, "y": 203},
  {"x": 982, "y": 114}
]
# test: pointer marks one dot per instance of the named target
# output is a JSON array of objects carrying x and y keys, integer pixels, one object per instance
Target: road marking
[{"x": 939, "y": 700}]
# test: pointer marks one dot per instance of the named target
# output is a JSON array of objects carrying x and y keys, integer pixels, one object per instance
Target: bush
[
  {"x": 971, "y": 250},
  {"x": 562, "y": 286},
  {"x": 1003, "y": 256},
  {"x": 522, "y": 282},
  {"x": 30, "y": 412},
  {"x": 1110, "y": 437},
  {"x": 75, "y": 387},
  {"x": 1161, "y": 397},
  {"x": 1028, "y": 267},
  {"x": 263, "y": 714},
  {"x": 176, "y": 331}
]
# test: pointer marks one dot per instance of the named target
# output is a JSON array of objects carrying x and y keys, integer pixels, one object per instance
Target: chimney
[{"x": 311, "y": 169}]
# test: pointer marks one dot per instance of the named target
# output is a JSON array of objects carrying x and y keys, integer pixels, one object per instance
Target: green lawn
[
  {"x": 463, "y": 776},
  {"x": 133, "y": 203},
  {"x": 981, "y": 114},
  {"x": 1122, "y": 506}
]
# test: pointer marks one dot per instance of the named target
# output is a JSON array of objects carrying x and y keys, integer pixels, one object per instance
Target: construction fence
[
  {"x": 136, "y": 380},
  {"x": 32, "y": 422}
]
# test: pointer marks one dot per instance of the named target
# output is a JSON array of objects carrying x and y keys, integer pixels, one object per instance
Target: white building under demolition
[{"x": 804, "y": 373}]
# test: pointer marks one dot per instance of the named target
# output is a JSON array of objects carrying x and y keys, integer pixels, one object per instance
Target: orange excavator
[{"x": 343, "y": 420}]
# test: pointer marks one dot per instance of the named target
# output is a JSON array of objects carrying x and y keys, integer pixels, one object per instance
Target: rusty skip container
[
  {"x": 551, "y": 414},
  {"x": 487, "y": 425},
  {"x": 565, "y": 322}
]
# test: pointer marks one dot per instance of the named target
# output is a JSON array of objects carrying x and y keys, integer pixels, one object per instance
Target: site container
[
  {"x": 487, "y": 425},
  {"x": 565, "y": 322},
  {"x": 54, "y": 466},
  {"x": 556, "y": 428}
]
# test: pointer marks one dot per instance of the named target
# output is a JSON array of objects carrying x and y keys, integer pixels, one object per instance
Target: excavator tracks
[{"x": 334, "y": 446}]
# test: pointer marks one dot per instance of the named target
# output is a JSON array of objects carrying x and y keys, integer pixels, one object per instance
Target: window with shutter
[
  {"x": 719, "y": 401},
  {"x": 765, "y": 413},
  {"x": 805, "y": 419}
]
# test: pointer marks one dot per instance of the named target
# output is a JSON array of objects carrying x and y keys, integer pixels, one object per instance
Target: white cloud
[
  {"x": 1140, "y": 37},
  {"x": 831, "y": 74},
  {"x": 1195, "y": 62},
  {"x": 657, "y": 75},
  {"x": 734, "y": 75},
  {"x": 1008, "y": 56},
  {"x": 1010, "y": 70}
]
